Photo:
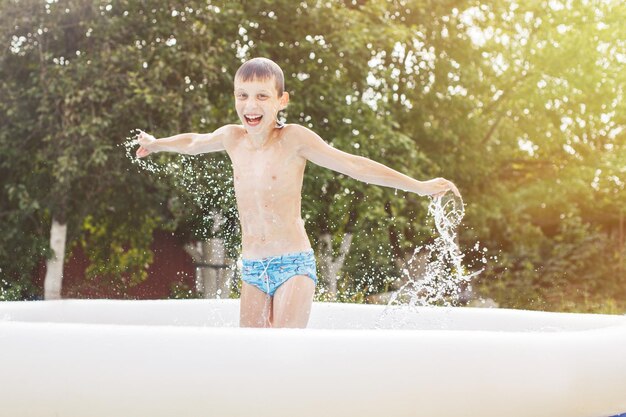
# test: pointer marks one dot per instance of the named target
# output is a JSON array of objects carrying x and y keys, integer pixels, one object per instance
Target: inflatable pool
[{"x": 188, "y": 358}]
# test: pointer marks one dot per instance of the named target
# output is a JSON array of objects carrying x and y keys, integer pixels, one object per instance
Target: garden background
[{"x": 521, "y": 104}]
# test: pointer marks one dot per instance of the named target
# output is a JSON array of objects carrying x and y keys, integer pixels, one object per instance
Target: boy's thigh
[
  {"x": 255, "y": 307},
  {"x": 292, "y": 302}
]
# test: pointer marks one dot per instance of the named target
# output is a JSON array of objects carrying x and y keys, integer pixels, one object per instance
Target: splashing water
[
  {"x": 441, "y": 278},
  {"x": 205, "y": 180}
]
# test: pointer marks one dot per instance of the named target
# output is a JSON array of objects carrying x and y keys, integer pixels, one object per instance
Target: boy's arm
[
  {"x": 314, "y": 149},
  {"x": 186, "y": 143}
]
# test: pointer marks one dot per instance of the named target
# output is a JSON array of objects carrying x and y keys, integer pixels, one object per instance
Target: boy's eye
[
  {"x": 241, "y": 96},
  {"x": 263, "y": 96}
]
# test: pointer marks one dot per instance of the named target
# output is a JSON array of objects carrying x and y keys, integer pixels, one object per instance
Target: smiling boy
[{"x": 268, "y": 159}]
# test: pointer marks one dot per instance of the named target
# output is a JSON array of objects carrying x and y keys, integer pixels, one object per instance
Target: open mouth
[{"x": 253, "y": 119}]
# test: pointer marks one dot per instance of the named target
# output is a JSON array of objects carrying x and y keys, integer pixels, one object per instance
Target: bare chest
[{"x": 277, "y": 170}]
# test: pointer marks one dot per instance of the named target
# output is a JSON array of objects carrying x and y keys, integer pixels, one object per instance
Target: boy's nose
[{"x": 250, "y": 105}]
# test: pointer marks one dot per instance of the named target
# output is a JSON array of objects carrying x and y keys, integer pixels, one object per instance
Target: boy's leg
[
  {"x": 255, "y": 307},
  {"x": 292, "y": 302}
]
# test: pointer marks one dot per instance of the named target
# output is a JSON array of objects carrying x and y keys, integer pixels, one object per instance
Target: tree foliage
[{"x": 520, "y": 104}]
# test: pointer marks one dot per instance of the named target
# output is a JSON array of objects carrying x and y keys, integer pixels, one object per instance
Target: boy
[{"x": 269, "y": 158}]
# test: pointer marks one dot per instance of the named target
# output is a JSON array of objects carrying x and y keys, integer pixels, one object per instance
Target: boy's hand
[
  {"x": 146, "y": 142},
  {"x": 439, "y": 186}
]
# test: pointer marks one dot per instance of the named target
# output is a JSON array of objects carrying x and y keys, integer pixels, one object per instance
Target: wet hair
[{"x": 262, "y": 69}]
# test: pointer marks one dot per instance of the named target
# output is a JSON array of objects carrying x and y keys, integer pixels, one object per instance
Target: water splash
[
  {"x": 130, "y": 146},
  {"x": 435, "y": 274},
  {"x": 203, "y": 182}
]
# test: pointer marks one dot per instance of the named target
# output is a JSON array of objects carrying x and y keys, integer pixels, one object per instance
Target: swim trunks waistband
[{"x": 284, "y": 255}]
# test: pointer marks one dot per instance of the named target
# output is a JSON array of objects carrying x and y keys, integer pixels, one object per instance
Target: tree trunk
[
  {"x": 54, "y": 266},
  {"x": 330, "y": 265},
  {"x": 621, "y": 242}
]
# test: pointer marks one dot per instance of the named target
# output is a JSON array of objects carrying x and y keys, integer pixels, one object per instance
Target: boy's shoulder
[
  {"x": 296, "y": 131},
  {"x": 290, "y": 133},
  {"x": 295, "y": 128},
  {"x": 236, "y": 130},
  {"x": 300, "y": 137},
  {"x": 231, "y": 130}
]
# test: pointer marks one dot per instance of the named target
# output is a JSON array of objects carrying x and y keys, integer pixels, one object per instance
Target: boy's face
[{"x": 257, "y": 103}]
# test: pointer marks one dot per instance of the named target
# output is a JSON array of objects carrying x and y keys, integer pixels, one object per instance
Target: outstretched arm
[
  {"x": 187, "y": 143},
  {"x": 314, "y": 149}
]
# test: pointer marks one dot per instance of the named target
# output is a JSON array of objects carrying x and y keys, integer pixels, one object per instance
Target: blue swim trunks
[{"x": 267, "y": 274}]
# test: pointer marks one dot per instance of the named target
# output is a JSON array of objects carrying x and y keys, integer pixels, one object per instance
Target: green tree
[{"x": 520, "y": 104}]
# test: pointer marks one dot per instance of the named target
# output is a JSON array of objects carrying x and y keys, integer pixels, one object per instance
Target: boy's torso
[{"x": 268, "y": 186}]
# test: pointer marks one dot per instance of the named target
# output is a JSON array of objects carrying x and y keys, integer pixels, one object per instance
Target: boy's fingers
[
  {"x": 141, "y": 152},
  {"x": 452, "y": 187},
  {"x": 141, "y": 134}
]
